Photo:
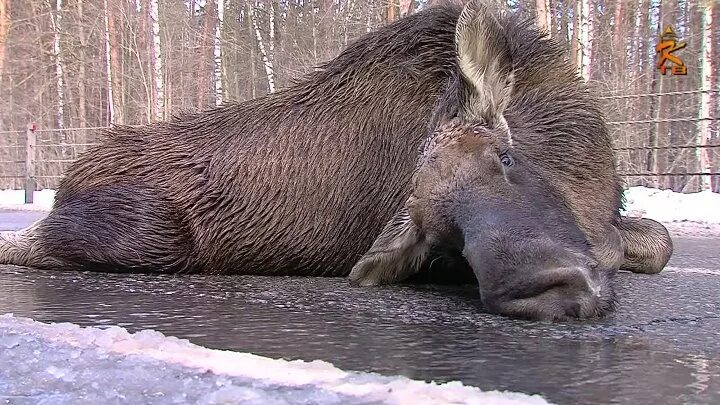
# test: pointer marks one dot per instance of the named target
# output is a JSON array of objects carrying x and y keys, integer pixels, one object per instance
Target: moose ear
[
  {"x": 485, "y": 61},
  {"x": 394, "y": 256}
]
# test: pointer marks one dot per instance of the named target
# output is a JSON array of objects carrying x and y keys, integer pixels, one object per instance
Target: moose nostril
[
  {"x": 562, "y": 281},
  {"x": 554, "y": 294}
]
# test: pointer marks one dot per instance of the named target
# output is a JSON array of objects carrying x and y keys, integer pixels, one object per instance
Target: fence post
[{"x": 30, "y": 141}]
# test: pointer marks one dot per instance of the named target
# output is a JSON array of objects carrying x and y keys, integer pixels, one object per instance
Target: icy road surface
[
  {"x": 67, "y": 364},
  {"x": 661, "y": 347}
]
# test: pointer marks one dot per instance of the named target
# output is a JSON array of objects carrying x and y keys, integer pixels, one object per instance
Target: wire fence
[{"x": 37, "y": 158}]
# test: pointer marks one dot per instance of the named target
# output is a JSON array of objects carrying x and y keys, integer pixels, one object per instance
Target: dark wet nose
[{"x": 554, "y": 294}]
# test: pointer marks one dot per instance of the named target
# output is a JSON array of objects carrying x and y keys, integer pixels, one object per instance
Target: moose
[{"x": 459, "y": 128}]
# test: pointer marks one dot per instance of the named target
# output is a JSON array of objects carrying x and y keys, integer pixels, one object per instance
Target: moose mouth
[{"x": 539, "y": 279}]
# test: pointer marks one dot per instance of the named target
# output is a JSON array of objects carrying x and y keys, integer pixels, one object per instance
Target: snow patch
[
  {"x": 669, "y": 206},
  {"x": 15, "y": 200},
  {"x": 154, "y": 346}
]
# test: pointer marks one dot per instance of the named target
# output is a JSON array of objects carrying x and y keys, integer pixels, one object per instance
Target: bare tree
[
  {"x": 4, "y": 28},
  {"x": 56, "y": 20},
  {"x": 82, "y": 76},
  {"x": 584, "y": 20},
  {"x": 544, "y": 19},
  {"x": 156, "y": 58},
  {"x": 706, "y": 74},
  {"x": 114, "y": 55},
  {"x": 204, "y": 45},
  {"x": 64, "y": 64},
  {"x": 217, "y": 53},
  {"x": 267, "y": 63},
  {"x": 108, "y": 65}
]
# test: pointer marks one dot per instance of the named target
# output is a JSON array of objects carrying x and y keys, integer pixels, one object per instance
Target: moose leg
[
  {"x": 609, "y": 250},
  {"x": 394, "y": 256},
  {"x": 117, "y": 228},
  {"x": 647, "y": 245},
  {"x": 23, "y": 248}
]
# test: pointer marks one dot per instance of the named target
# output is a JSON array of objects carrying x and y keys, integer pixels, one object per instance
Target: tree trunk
[
  {"x": 348, "y": 16},
  {"x": 715, "y": 98},
  {"x": 639, "y": 46},
  {"x": 115, "y": 62},
  {"x": 618, "y": 43},
  {"x": 156, "y": 58},
  {"x": 4, "y": 29},
  {"x": 205, "y": 39},
  {"x": 666, "y": 18},
  {"x": 269, "y": 70},
  {"x": 217, "y": 53},
  {"x": 329, "y": 23},
  {"x": 575, "y": 49},
  {"x": 407, "y": 7},
  {"x": 313, "y": 13},
  {"x": 564, "y": 22},
  {"x": 253, "y": 72},
  {"x": 56, "y": 20},
  {"x": 586, "y": 39},
  {"x": 146, "y": 38},
  {"x": 706, "y": 75},
  {"x": 582, "y": 34},
  {"x": 543, "y": 15},
  {"x": 108, "y": 66},
  {"x": 82, "y": 75},
  {"x": 654, "y": 113}
]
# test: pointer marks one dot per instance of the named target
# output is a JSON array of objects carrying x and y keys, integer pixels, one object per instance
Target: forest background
[{"x": 68, "y": 67}]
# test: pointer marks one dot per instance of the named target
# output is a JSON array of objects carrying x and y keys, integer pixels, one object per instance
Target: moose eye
[{"x": 506, "y": 160}]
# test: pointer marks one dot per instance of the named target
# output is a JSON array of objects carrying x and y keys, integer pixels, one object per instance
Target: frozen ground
[{"x": 65, "y": 363}]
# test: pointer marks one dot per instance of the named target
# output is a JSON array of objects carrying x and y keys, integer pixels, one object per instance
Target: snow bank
[
  {"x": 15, "y": 200},
  {"x": 63, "y": 353},
  {"x": 660, "y": 205},
  {"x": 669, "y": 206}
]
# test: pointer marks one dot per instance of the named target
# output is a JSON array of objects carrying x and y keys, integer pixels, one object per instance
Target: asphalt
[{"x": 662, "y": 345}]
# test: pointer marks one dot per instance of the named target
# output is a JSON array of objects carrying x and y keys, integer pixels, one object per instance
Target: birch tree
[
  {"x": 391, "y": 11},
  {"x": 544, "y": 15},
  {"x": 584, "y": 28},
  {"x": 217, "y": 53},
  {"x": 204, "y": 44},
  {"x": 253, "y": 68},
  {"x": 82, "y": 76},
  {"x": 659, "y": 134},
  {"x": 267, "y": 63},
  {"x": 56, "y": 20},
  {"x": 4, "y": 29},
  {"x": 156, "y": 58},
  {"x": 618, "y": 46},
  {"x": 271, "y": 31},
  {"x": 108, "y": 68},
  {"x": 114, "y": 54},
  {"x": 407, "y": 7},
  {"x": 706, "y": 74}
]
